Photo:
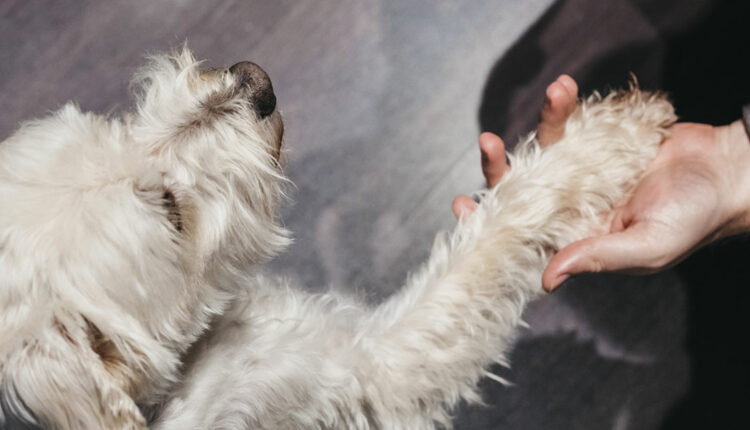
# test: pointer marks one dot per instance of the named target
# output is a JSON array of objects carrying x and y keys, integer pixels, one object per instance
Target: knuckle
[{"x": 597, "y": 265}]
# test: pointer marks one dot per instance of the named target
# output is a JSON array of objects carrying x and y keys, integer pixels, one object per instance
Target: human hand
[{"x": 694, "y": 192}]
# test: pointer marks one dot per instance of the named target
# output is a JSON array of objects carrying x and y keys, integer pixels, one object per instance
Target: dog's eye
[{"x": 173, "y": 211}]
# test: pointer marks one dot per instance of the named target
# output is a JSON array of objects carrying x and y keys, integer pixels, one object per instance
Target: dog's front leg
[{"x": 434, "y": 340}]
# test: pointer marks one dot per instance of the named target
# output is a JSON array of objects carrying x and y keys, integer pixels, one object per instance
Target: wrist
[{"x": 736, "y": 139}]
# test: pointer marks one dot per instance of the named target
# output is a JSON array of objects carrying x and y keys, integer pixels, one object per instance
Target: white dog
[{"x": 123, "y": 240}]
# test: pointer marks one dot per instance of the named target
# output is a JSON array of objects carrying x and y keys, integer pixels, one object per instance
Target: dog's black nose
[{"x": 258, "y": 84}]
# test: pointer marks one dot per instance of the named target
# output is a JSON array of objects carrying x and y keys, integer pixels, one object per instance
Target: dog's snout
[{"x": 257, "y": 82}]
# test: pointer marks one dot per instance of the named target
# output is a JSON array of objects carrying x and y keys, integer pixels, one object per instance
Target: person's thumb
[{"x": 624, "y": 250}]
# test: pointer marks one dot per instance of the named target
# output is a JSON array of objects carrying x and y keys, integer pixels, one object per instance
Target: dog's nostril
[{"x": 257, "y": 82}]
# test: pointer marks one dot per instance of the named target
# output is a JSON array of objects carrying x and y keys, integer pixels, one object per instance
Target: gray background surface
[{"x": 383, "y": 102}]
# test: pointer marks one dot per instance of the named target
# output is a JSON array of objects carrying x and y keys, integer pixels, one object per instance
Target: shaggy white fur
[
  {"x": 284, "y": 359},
  {"x": 127, "y": 237},
  {"x": 120, "y": 239}
]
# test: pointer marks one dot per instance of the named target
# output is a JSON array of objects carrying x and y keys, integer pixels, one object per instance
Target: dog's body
[{"x": 122, "y": 240}]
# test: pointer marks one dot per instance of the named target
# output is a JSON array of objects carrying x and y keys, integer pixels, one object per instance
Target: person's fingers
[
  {"x": 560, "y": 102},
  {"x": 627, "y": 250},
  {"x": 494, "y": 163},
  {"x": 463, "y": 205},
  {"x": 570, "y": 85}
]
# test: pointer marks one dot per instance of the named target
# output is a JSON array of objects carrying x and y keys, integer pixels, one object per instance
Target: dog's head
[
  {"x": 123, "y": 237},
  {"x": 215, "y": 134}
]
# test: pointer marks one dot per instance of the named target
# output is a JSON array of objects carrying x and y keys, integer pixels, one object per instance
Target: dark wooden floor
[{"x": 383, "y": 102}]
